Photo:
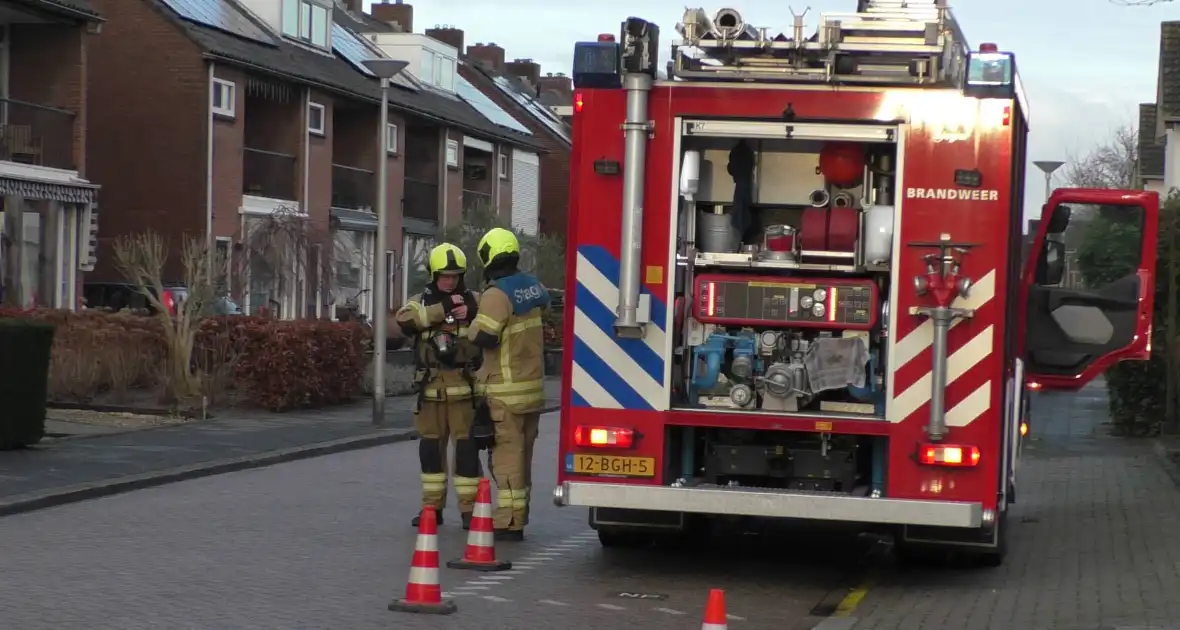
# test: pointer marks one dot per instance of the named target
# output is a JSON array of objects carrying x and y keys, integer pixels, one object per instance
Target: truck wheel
[{"x": 624, "y": 538}]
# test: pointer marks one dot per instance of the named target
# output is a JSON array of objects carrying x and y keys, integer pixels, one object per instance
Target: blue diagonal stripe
[
  {"x": 604, "y": 319},
  {"x": 598, "y": 370},
  {"x": 606, "y": 264},
  {"x": 577, "y": 401}
]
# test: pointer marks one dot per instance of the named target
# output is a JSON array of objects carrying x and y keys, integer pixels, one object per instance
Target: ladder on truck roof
[{"x": 886, "y": 42}]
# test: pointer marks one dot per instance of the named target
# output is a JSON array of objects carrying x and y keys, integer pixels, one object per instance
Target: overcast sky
[{"x": 1085, "y": 64}]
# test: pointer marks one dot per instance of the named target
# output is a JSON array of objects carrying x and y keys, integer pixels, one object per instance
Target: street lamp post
[
  {"x": 385, "y": 69},
  {"x": 1048, "y": 167}
]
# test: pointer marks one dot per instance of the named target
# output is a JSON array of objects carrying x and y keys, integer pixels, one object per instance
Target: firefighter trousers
[
  {"x": 437, "y": 423},
  {"x": 511, "y": 464}
]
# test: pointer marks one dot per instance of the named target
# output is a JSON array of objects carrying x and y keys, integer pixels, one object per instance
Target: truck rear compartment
[{"x": 785, "y": 254}]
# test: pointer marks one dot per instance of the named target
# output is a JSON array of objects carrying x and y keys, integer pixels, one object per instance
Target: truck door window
[{"x": 1084, "y": 310}]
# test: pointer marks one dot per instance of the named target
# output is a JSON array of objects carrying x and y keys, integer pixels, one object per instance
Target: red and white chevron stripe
[{"x": 970, "y": 344}]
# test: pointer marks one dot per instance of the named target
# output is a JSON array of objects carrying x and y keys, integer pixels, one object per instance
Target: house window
[
  {"x": 446, "y": 74},
  {"x": 503, "y": 165},
  {"x": 453, "y": 153},
  {"x": 427, "y": 74},
  {"x": 307, "y": 20},
  {"x": 224, "y": 98},
  {"x": 223, "y": 259},
  {"x": 315, "y": 118},
  {"x": 354, "y": 269},
  {"x": 415, "y": 258},
  {"x": 391, "y": 146}
]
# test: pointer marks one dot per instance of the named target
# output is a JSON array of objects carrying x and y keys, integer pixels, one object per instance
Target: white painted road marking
[
  {"x": 670, "y": 611},
  {"x": 551, "y": 602},
  {"x": 493, "y": 598},
  {"x": 611, "y": 607}
]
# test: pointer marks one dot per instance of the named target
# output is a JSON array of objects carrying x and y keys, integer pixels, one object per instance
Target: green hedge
[
  {"x": 25, "y": 349},
  {"x": 1107, "y": 250}
]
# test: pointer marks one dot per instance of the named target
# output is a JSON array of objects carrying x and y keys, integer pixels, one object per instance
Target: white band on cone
[
  {"x": 424, "y": 575},
  {"x": 481, "y": 539}
]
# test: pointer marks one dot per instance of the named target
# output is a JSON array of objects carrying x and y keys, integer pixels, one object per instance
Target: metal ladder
[{"x": 891, "y": 42}]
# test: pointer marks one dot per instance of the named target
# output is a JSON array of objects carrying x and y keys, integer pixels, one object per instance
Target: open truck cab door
[{"x": 1071, "y": 333}]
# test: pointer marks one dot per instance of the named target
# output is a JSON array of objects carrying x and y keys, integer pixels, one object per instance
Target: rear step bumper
[{"x": 770, "y": 503}]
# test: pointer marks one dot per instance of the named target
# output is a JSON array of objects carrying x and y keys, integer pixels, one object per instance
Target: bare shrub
[{"x": 141, "y": 258}]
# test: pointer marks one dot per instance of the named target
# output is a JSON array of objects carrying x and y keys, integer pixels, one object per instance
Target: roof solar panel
[
  {"x": 486, "y": 107},
  {"x": 221, "y": 15},
  {"x": 542, "y": 113},
  {"x": 349, "y": 46}
]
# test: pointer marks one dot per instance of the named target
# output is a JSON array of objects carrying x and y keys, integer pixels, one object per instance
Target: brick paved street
[
  {"x": 325, "y": 543},
  {"x": 1094, "y": 543}
]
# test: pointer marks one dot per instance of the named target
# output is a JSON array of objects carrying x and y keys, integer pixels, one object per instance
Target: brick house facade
[
  {"x": 254, "y": 127},
  {"x": 48, "y": 201}
]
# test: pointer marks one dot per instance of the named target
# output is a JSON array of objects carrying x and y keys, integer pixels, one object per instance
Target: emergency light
[{"x": 990, "y": 73}]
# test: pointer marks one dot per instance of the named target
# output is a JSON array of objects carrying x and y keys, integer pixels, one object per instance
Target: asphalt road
[{"x": 326, "y": 543}]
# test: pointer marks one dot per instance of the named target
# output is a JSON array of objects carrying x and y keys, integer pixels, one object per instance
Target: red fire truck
[{"x": 795, "y": 283}]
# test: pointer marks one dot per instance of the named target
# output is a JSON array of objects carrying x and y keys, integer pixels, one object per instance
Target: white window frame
[
  {"x": 452, "y": 154},
  {"x": 502, "y": 163},
  {"x": 304, "y": 27},
  {"x": 391, "y": 146},
  {"x": 227, "y": 90},
  {"x": 319, "y": 131}
]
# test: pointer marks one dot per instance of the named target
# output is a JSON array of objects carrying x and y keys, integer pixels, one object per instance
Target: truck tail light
[
  {"x": 578, "y": 103},
  {"x": 604, "y": 437},
  {"x": 948, "y": 455}
]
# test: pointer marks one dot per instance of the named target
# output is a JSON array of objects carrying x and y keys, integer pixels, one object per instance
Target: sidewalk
[{"x": 64, "y": 471}]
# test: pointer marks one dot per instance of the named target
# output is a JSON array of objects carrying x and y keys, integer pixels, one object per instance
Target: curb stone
[
  {"x": 54, "y": 497},
  {"x": 81, "y": 492}
]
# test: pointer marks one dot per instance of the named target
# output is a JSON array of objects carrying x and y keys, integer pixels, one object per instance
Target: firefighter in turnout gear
[
  {"x": 437, "y": 319},
  {"x": 509, "y": 329}
]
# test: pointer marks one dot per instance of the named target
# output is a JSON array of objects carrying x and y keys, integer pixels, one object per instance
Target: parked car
[{"x": 120, "y": 295}]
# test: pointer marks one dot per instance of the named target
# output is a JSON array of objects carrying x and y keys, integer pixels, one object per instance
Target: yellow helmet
[
  {"x": 497, "y": 242},
  {"x": 447, "y": 259}
]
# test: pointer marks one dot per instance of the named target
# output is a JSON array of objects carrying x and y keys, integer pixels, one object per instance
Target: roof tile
[
  {"x": 1151, "y": 152},
  {"x": 1169, "y": 72}
]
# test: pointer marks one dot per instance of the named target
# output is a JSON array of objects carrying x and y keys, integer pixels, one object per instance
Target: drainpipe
[
  {"x": 629, "y": 322},
  {"x": 209, "y": 248},
  {"x": 444, "y": 191}
]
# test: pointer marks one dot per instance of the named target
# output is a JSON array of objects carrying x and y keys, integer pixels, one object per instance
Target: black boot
[
  {"x": 438, "y": 518},
  {"x": 509, "y": 535},
  {"x": 466, "y": 516}
]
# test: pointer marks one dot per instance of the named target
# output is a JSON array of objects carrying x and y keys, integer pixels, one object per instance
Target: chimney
[
  {"x": 448, "y": 35},
  {"x": 526, "y": 69},
  {"x": 355, "y": 6},
  {"x": 398, "y": 13},
  {"x": 558, "y": 84},
  {"x": 490, "y": 56}
]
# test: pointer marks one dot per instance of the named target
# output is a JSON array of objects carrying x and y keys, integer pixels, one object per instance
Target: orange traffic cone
[
  {"x": 423, "y": 591},
  {"x": 480, "y": 554},
  {"x": 715, "y": 618}
]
